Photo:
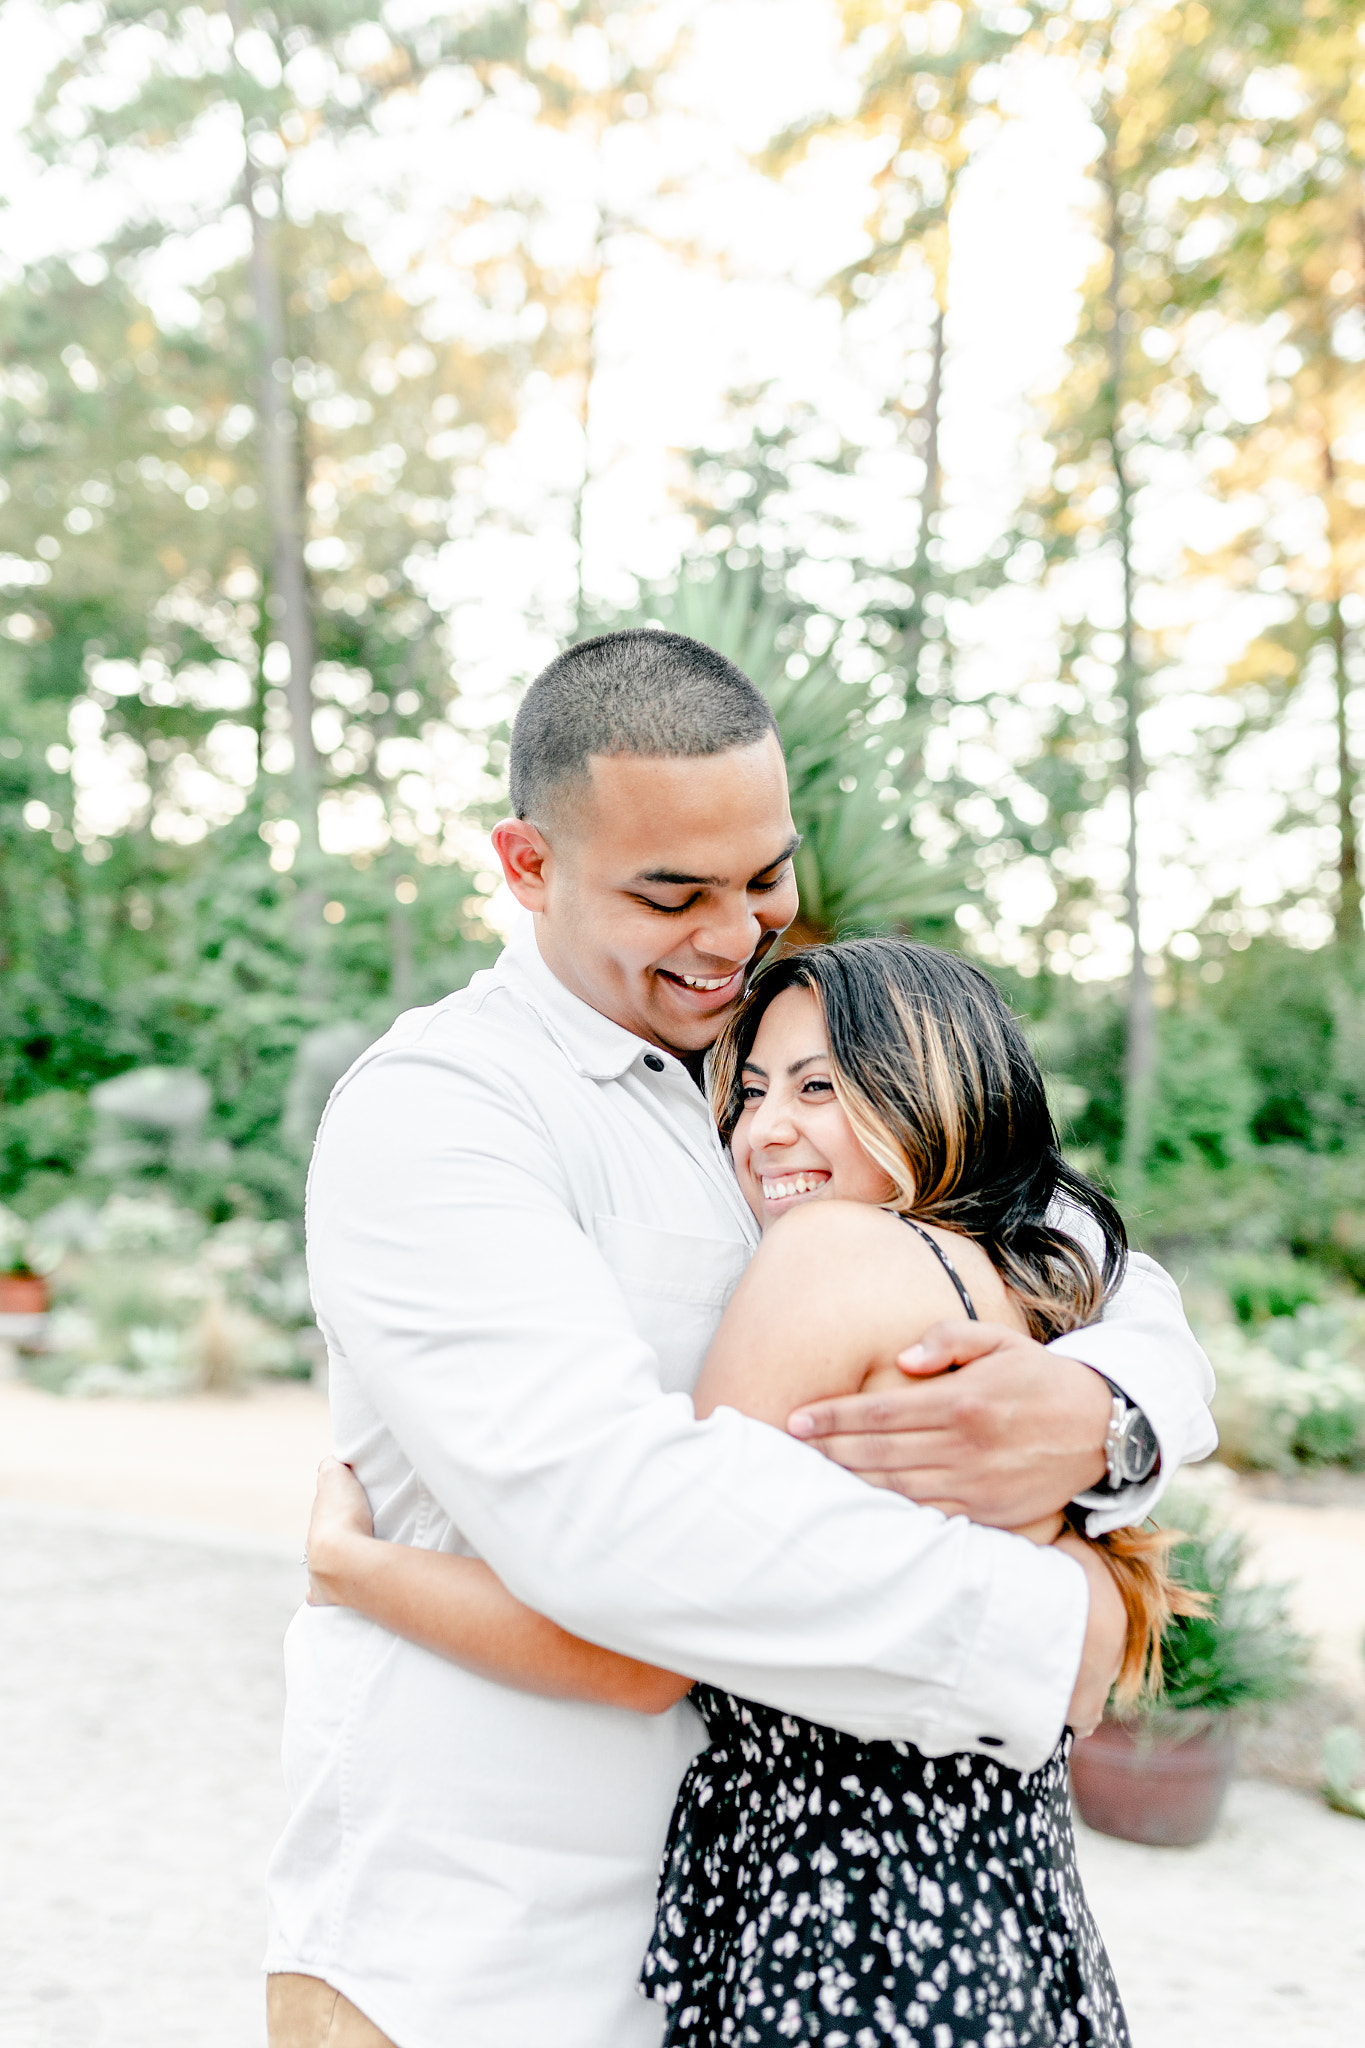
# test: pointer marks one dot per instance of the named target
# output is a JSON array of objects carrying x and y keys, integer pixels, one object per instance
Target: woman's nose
[{"x": 772, "y": 1124}]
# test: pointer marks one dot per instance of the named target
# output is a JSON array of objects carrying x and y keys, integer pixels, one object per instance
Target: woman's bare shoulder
[
  {"x": 856, "y": 1244},
  {"x": 847, "y": 1247},
  {"x": 834, "y": 1222},
  {"x": 835, "y": 1290}
]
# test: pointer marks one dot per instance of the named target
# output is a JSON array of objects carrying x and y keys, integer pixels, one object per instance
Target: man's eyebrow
[
  {"x": 672, "y": 881},
  {"x": 786, "y": 854},
  {"x": 667, "y": 879}
]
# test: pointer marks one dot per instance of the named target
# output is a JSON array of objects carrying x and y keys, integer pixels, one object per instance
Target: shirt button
[{"x": 654, "y": 1063}]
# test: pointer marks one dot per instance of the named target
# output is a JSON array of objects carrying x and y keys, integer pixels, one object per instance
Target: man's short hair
[{"x": 643, "y": 691}]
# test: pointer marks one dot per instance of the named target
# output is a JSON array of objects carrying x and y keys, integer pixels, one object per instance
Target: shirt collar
[{"x": 599, "y": 1048}]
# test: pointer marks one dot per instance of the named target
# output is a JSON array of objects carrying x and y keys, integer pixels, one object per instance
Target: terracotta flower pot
[
  {"x": 1153, "y": 1786},
  {"x": 23, "y": 1294}
]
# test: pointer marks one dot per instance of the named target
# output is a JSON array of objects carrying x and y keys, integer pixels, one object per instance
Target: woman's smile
[{"x": 783, "y": 1191}]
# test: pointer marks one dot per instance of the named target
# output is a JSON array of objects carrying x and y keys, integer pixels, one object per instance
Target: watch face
[{"x": 1140, "y": 1448}]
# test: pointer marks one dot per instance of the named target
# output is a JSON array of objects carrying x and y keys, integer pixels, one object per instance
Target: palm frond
[{"x": 859, "y": 867}]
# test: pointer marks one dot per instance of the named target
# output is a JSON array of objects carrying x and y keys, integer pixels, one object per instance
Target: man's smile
[{"x": 705, "y": 991}]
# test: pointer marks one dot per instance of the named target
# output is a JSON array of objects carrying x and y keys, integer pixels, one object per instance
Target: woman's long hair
[
  {"x": 936, "y": 1079},
  {"x": 941, "y": 1090}
]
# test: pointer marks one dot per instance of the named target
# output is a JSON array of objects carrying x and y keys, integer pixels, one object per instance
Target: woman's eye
[
  {"x": 751, "y": 1095},
  {"x": 818, "y": 1088}
]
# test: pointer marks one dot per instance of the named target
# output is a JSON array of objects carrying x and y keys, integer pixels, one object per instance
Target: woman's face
[{"x": 793, "y": 1142}]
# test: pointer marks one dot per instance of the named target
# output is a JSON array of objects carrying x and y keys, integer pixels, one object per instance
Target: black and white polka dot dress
[{"x": 818, "y": 1888}]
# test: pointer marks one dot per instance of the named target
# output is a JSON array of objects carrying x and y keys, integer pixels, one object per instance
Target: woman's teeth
[{"x": 795, "y": 1184}]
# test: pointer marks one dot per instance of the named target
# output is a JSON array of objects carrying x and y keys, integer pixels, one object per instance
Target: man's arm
[
  {"x": 1144, "y": 1344},
  {"x": 493, "y": 1339},
  {"x": 1021, "y": 1431}
]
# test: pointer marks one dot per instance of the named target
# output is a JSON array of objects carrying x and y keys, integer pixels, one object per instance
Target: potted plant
[
  {"x": 23, "y": 1278},
  {"x": 1160, "y": 1774}
]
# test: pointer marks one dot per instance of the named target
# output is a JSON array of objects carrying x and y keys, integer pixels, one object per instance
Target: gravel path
[
  {"x": 140, "y": 1794},
  {"x": 139, "y": 1722}
]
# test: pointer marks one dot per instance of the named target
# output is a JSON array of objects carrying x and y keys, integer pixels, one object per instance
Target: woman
[{"x": 816, "y": 1887}]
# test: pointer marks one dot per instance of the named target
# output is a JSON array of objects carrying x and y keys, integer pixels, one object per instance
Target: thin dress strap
[{"x": 949, "y": 1268}]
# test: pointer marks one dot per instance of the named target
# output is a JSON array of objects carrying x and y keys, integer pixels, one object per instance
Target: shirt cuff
[
  {"x": 1180, "y": 1420},
  {"x": 1026, "y": 1657}
]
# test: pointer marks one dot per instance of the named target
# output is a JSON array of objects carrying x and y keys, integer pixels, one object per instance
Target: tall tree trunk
[
  {"x": 400, "y": 956},
  {"x": 282, "y": 476},
  {"x": 585, "y": 418},
  {"x": 282, "y": 479},
  {"x": 1140, "y": 1060},
  {"x": 931, "y": 497},
  {"x": 931, "y": 494},
  {"x": 1348, "y": 924}
]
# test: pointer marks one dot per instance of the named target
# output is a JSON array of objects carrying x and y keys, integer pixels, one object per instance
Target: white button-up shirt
[{"x": 522, "y": 1233}]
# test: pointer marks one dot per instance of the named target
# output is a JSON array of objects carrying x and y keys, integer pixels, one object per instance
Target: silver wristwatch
[{"x": 1131, "y": 1451}]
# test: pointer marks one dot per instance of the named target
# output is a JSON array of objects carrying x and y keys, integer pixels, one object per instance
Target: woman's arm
[{"x": 461, "y": 1610}]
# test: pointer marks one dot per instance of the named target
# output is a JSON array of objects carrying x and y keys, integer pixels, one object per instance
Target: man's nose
[{"x": 730, "y": 930}]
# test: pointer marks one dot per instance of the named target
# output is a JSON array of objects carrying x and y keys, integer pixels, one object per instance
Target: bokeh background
[{"x": 989, "y": 382}]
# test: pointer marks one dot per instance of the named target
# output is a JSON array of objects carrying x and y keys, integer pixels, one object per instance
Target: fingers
[
  {"x": 947, "y": 1344},
  {"x": 922, "y": 1451},
  {"x": 915, "y": 1407}
]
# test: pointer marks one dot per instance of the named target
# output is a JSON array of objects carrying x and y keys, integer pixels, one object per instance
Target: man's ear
[{"x": 525, "y": 856}]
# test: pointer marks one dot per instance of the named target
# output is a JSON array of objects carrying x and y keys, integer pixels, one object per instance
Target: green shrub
[
  {"x": 1288, "y": 1397},
  {"x": 42, "y": 1144},
  {"x": 1205, "y": 1096},
  {"x": 1244, "y": 1652},
  {"x": 1262, "y": 1287},
  {"x": 151, "y": 1300}
]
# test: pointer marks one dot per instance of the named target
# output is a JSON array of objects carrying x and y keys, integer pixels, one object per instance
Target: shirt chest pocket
[{"x": 677, "y": 1288}]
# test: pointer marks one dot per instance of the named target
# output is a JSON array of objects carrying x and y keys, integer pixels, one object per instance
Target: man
[{"x": 522, "y": 1232}]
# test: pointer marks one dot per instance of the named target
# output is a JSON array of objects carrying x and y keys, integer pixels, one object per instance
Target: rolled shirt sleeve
[
  {"x": 453, "y": 1267},
  {"x": 1144, "y": 1344}
]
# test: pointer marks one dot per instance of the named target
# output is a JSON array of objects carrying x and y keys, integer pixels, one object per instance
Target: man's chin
[
  {"x": 686, "y": 1006},
  {"x": 687, "y": 1036}
]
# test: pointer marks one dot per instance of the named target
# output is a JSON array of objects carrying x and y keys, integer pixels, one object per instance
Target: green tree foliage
[
  {"x": 1257, "y": 229},
  {"x": 243, "y": 438},
  {"x": 139, "y": 519},
  {"x": 927, "y": 78},
  {"x": 192, "y": 664}
]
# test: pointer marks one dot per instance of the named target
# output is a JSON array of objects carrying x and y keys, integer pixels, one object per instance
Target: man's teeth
[
  {"x": 702, "y": 982},
  {"x": 796, "y": 1184}
]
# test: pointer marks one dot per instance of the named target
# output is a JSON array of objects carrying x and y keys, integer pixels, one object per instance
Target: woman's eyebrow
[{"x": 752, "y": 1066}]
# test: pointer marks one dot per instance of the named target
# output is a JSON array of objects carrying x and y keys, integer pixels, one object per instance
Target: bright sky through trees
[{"x": 702, "y": 275}]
